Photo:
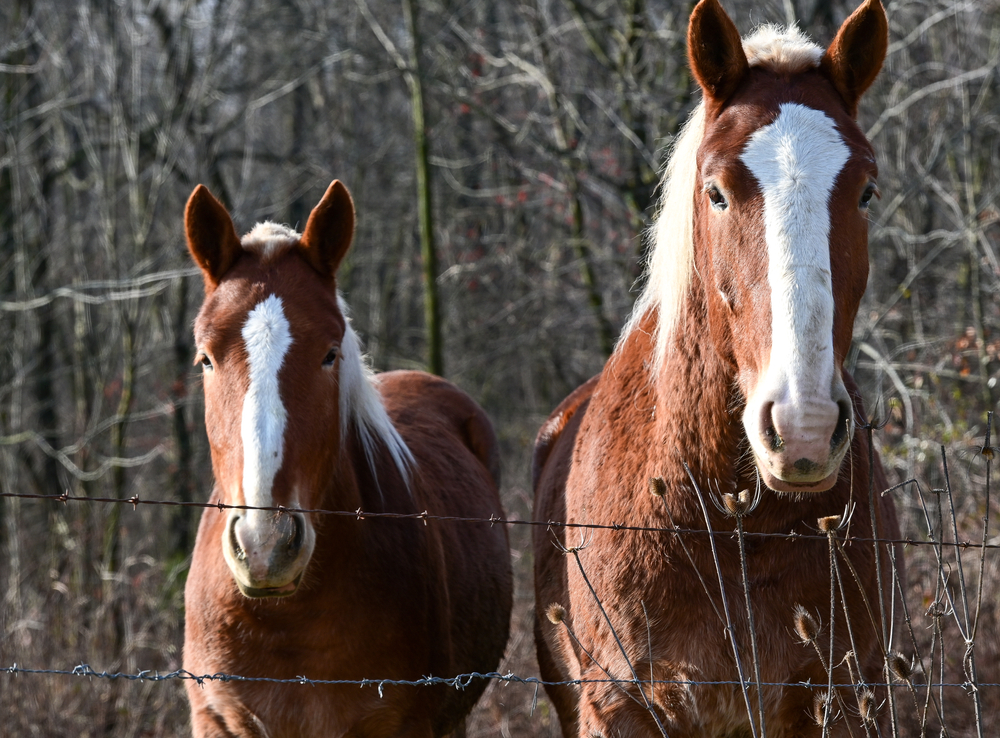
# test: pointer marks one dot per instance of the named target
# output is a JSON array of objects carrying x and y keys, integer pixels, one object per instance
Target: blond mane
[
  {"x": 361, "y": 403},
  {"x": 671, "y": 260}
]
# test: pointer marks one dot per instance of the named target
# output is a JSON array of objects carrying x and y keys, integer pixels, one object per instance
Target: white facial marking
[
  {"x": 267, "y": 338},
  {"x": 796, "y": 161}
]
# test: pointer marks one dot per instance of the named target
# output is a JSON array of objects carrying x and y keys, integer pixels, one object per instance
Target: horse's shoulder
[
  {"x": 552, "y": 429},
  {"x": 416, "y": 399}
]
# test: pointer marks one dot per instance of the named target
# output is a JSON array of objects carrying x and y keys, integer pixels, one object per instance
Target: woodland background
[{"x": 510, "y": 150}]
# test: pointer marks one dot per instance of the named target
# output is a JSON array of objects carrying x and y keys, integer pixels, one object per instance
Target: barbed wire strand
[
  {"x": 425, "y": 516},
  {"x": 460, "y": 681}
]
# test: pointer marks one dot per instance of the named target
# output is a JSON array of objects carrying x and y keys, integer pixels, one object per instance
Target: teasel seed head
[
  {"x": 824, "y": 713},
  {"x": 740, "y": 504},
  {"x": 805, "y": 624},
  {"x": 829, "y": 523},
  {"x": 657, "y": 487},
  {"x": 867, "y": 706},
  {"x": 556, "y": 613},
  {"x": 900, "y": 666}
]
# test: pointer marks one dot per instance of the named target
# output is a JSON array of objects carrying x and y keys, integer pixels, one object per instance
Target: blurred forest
[{"x": 503, "y": 157}]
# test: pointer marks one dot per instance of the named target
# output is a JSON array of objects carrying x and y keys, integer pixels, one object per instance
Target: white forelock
[
  {"x": 781, "y": 49},
  {"x": 671, "y": 259},
  {"x": 269, "y": 239}
]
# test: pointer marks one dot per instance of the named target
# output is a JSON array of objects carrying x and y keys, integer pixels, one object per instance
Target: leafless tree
[{"x": 503, "y": 157}]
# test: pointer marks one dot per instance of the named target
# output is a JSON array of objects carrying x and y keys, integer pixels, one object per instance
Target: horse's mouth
[
  {"x": 284, "y": 590},
  {"x": 787, "y": 485}
]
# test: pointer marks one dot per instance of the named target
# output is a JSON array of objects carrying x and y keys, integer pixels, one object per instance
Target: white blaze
[
  {"x": 267, "y": 338},
  {"x": 796, "y": 161}
]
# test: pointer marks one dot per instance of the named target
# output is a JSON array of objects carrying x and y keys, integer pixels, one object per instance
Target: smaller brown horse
[{"x": 296, "y": 419}]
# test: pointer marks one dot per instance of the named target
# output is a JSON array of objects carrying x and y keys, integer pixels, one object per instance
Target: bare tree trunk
[
  {"x": 428, "y": 247},
  {"x": 182, "y": 527},
  {"x": 570, "y": 165}
]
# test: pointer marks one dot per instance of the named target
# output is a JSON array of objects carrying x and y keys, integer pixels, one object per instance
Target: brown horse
[
  {"x": 296, "y": 419},
  {"x": 729, "y": 377}
]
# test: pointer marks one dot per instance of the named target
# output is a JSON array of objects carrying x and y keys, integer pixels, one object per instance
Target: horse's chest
[
  {"x": 278, "y": 643},
  {"x": 665, "y": 602},
  {"x": 294, "y": 666}
]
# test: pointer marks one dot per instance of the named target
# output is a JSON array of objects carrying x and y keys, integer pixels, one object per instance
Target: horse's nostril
[
  {"x": 298, "y": 534},
  {"x": 770, "y": 433},
  {"x": 234, "y": 541},
  {"x": 843, "y": 428}
]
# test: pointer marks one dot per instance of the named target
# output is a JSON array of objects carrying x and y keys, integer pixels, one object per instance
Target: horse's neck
[
  {"x": 342, "y": 541},
  {"x": 357, "y": 486},
  {"x": 685, "y": 418},
  {"x": 686, "y": 408}
]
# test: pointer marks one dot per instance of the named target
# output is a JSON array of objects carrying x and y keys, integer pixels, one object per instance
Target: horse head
[
  {"x": 783, "y": 177},
  {"x": 270, "y": 338}
]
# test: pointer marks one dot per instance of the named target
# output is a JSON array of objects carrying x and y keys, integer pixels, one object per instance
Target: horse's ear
[
  {"x": 329, "y": 230},
  {"x": 855, "y": 57},
  {"x": 715, "y": 51},
  {"x": 211, "y": 237}
]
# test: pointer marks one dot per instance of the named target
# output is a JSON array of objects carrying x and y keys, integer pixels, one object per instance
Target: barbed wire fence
[{"x": 954, "y": 575}]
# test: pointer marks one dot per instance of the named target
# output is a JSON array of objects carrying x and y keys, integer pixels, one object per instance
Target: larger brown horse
[
  {"x": 729, "y": 377},
  {"x": 296, "y": 420}
]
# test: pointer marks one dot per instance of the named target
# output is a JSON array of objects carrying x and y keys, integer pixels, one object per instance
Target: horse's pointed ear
[
  {"x": 715, "y": 51},
  {"x": 211, "y": 237},
  {"x": 329, "y": 230},
  {"x": 855, "y": 57}
]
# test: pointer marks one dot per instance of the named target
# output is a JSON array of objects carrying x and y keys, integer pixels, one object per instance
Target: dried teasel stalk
[
  {"x": 738, "y": 504},
  {"x": 829, "y": 523}
]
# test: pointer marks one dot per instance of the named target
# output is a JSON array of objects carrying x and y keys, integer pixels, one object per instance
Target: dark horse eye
[
  {"x": 331, "y": 356},
  {"x": 870, "y": 192},
  {"x": 206, "y": 363},
  {"x": 717, "y": 199}
]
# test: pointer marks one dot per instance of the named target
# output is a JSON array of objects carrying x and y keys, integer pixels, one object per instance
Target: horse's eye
[
  {"x": 870, "y": 192},
  {"x": 206, "y": 363},
  {"x": 716, "y": 197},
  {"x": 331, "y": 356}
]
